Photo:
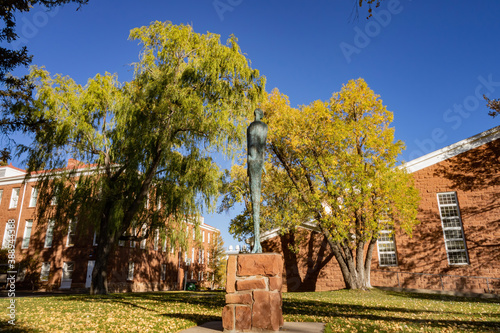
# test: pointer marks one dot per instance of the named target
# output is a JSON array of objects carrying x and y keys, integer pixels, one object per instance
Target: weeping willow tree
[{"x": 144, "y": 146}]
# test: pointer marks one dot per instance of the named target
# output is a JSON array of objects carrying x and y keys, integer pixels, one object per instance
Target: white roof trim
[
  {"x": 275, "y": 232},
  {"x": 453, "y": 150}
]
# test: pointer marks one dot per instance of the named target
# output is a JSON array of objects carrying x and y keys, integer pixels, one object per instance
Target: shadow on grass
[
  {"x": 389, "y": 315},
  {"x": 441, "y": 297},
  {"x": 196, "y": 318},
  {"x": 311, "y": 306},
  {"x": 6, "y": 327}
]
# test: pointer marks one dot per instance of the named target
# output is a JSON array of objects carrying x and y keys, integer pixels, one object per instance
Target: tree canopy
[
  {"x": 16, "y": 89},
  {"x": 332, "y": 163},
  {"x": 146, "y": 143}
]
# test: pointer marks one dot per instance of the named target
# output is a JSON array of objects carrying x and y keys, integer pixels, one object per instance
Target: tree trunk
[
  {"x": 355, "y": 271},
  {"x": 106, "y": 242}
]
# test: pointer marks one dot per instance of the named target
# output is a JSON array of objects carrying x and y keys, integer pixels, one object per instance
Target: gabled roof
[{"x": 453, "y": 150}]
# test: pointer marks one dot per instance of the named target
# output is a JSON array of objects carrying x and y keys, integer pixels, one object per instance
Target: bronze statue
[{"x": 256, "y": 145}]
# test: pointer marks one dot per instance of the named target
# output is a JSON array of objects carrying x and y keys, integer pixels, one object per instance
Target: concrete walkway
[{"x": 216, "y": 326}]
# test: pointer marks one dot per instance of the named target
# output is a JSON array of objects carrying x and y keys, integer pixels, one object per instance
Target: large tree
[
  {"x": 218, "y": 260},
  {"x": 146, "y": 143},
  {"x": 17, "y": 89},
  {"x": 333, "y": 163}
]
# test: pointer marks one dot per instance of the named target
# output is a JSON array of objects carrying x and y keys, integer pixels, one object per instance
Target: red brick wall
[
  {"x": 422, "y": 259},
  {"x": 147, "y": 270}
]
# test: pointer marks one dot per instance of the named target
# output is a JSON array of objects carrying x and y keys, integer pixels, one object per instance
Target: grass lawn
[{"x": 343, "y": 311}]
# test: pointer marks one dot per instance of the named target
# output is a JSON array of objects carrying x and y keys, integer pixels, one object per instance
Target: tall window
[
  {"x": 122, "y": 242},
  {"x": 202, "y": 256},
  {"x": 134, "y": 233},
  {"x": 208, "y": 257},
  {"x": 157, "y": 239},
  {"x": 144, "y": 231},
  {"x": 192, "y": 255},
  {"x": 203, "y": 236},
  {"x": 27, "y": 234},
  {"x": 165, "y": 244},
  {"x": 386, "y": 248},
  {"x": 5, "y": 243},
  {"x": 70, "y": 240},
  {"x": 199, "y": 256},
  {"x": 163, "y": 271},
  {"x": 208, "y": 237},
  {"x": 452, "y": 229},
  {"x": 49, "y": 235},
  {"x": 1, "y": 195},
  {"x": 44, "y": 274},
  {"x": 68, "y": 268},
  {"x": 34, "y": 196},
  {"x": 130, "y": 275},
  {"x": 14, "y": 198}
]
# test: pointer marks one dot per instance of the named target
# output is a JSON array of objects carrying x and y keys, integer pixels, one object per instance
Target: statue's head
[{"x": 259, "y": 114}]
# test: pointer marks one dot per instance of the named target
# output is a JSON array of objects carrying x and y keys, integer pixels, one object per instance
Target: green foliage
[
  {"x": 17, "y": 91},
  {"x": 333, "y": 163},
  {"x": 144, "y": 145},
  {"x": 218, "y": 260}
]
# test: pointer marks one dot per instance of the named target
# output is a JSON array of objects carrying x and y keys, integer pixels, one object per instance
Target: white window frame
[
  {"x": 14, "y": 197},
  {"x": 208, "y": 237},
  {"x": 156, "y": 239},
  {"x": 49, "y": 234},
  {"x": 33, "y": 197},
  {"x": 453, "y": 204},
  {"x": 6, "y": 236},
  {"x": 134, "y": 233},
  {"x": 192, "y": 255},
  {"x": 1, "y": 195},
  {"x": 203, "y": 236},
  {"x": 28, "y": 227},
  {"x": 194, "y": 234},
  {"x": 45, "y": 271},
  {"x": 202, "y": 257},
  {"x": 68, "y": 269},
  {"x": 130, "y": 273},
  {"x": 387, "y": 257},
  {"x": 199, "y": 256},
  {"x": 142, "y": 244},
  {"x": 163, "y": 272},
  {"x": 70, "y": 238},
  {"x": 164, "y": 248}
]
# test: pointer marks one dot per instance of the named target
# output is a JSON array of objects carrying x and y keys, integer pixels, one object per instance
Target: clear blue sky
[{"x": 430, "y": 61}]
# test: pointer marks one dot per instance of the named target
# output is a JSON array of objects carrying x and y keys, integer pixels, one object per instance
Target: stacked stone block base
[{"x": 253, "y": 293}]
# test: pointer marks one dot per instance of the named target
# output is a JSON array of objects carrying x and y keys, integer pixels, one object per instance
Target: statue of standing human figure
[{"x": 256, "y": 145}]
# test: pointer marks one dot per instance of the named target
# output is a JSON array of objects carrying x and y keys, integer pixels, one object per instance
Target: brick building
[
  {"x": 56, "y": 256},
  {"x": 455, "y": 247}
]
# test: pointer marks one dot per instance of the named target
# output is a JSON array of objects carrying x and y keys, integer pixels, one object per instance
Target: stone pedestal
[{"x": 253, "y": 293}]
